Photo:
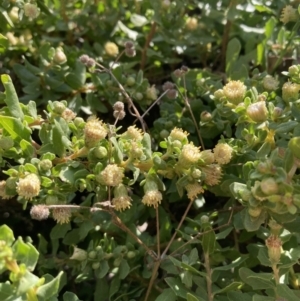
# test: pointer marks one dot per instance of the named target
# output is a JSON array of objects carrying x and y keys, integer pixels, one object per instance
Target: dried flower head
[
  {"x": 130, "y": 52},
  {"x": 289, "y": 14},
  {"x": 178, "y": 134},
  {"x": 290, "y": 91},
  {"x": 172, "y": 94},
  {"x": 84, "y": 58},
  {"x": 213, "y": 174},
  {"x": 94, "y": 131},
  {"x": 190, "y": 154},
  {"x": 31, "y": 10},
  {"x": 111, "y": 49},
  {"x": 119, "y": 114},
  {"x": 112, "y": 175},
  {"x": 3, "y": 194},
  {"x": 270, "y": 83},
  {"x": 223, "y": 153},
  {"x": 193, "y": 190},
  {"x": 29, "y": 187},
  {"x": 133, "y": 133},
  {"x": 152, "y": 198},
  {"x": 118, "y": 106},
  {"x": 39, "y": 212},
  {"x": 234, "y": 91},
  {"x": 274, "y": 244},
  {"x": 205, "y": 116},
  {"x": 168, "y": 86},
  {"x": 90, "y": 63},
  {"x": 68, "y": 115},
  {"x": 129, "y": 45},
  {"x": 62, "y": 215}
]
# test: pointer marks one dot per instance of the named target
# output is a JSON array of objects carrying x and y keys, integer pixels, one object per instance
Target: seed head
[
  {"x": 119, "y": 114},
  {"x": 222, "y": 153},
  {"x": 213, "y": 174},
  {"x": 118, "y": 106},
  {"x": 193, "y": 190},
  {"x": 39, "y": 212},
  {"x": 84, "y": 59},
  {"x": 152, "y": 198},
  {"x": 234, "y": 91},
  {"x": 61, "y": 215},
  {"x": 168, "y": 86},
  {"x": 90, "y": 63},
  {"x": 111, "y": 49},
  {"x": 121, "y": 200},
  {"x": 130, "y": 52},
  {"x": 112, "y": 175},
  {"x": 129, "y": 45},
  {"x": 172, "y": 94},
  {"x": 29, "y": 187}
]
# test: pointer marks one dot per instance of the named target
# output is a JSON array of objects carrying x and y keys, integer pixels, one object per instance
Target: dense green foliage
[{"x": 163, "y": 140}]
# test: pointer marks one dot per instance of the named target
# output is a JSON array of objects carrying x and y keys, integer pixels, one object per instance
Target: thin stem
[
  {"x": 152, "y": 279},
  {"x": 276, "y": 273},
  {"x": 157, "y": 232},
  {"x": 153, "y": 104},
  {"x": 116, "y": 60},
  {"x": 185, "y": 98},
  {"x": 147, "y": 43},
  {"x": 208, "y": 277},
  {"x": 202, "y": 233},
  {"x": 178, "y": 227}
]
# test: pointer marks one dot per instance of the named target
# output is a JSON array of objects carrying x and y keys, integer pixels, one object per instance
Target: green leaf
[
  {"x": 231, "y": 287},
  {"x": 118, "y": 153},
  {"x": 193, "y": 257},
  {"x": 232, "y": 53},
  {"x": 6, "y": 290},
  {"x": 27, "y": 281},
  {"x": 15, "y": 128},
  {"x": 208, "y": 240},
  {"x": 103, "y": 269},
  {"x": 124, "y": 269},
  {"x": 59, "y": 231},
  {"x": 190, "y": 297},
  {"x": 12, "y": 99},
  {"x": 285, "y": 292},
  {"x": 68, "y": 296},
  {"x": 46, "y": 291},
  {"x": 27, "y": 148},
  {"x": 114, "y": 287},
  {"x": 57, "y": 142},
  {"x": 25, "y": 253},
  {"x": 167, "y": 294},
  {"x": 146, "y": 142},
  {"x": 177, "y": 287},
  {"x": 257, "y": 280},
  {"x": 250, "y": 223},
  {"x": 233, "y": 265},
  {"x": 3, "y": 42},
  {"x": 7, "y": 235},
  {"x": 263, "y": 257},
  {"x": 261, "y": 298},
  {"x": 238, "y": 296}
]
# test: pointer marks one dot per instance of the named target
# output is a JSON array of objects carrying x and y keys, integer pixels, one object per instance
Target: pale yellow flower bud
[
  {"x": 190, "y": 154},
  {"x": 68, "y": 115},
  {"x": 290, "y": 91},
  {"x": 94, "y": 131},
  {"x": 289, "y": 14},
  {"x": 191, "y": 23},
  {"x": 270, "y": 83},
  {"x": 112, "y": 175},
  {"x": 111, "y": 49},
  {"x": 274, "y": 244},
  {"x": 258, "y": 111},
  {"x": 179, "y": 134},
  {"x": 213, "y": 174},
  {"x": 235, "y": 91},
  {"x": 121, "y": 200},
  {"x": 29, "y": 187},
  {"x": 133, "y": 133},
  {"x": 152, "y": 198},
  {"x": 223, "y": 153}
]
